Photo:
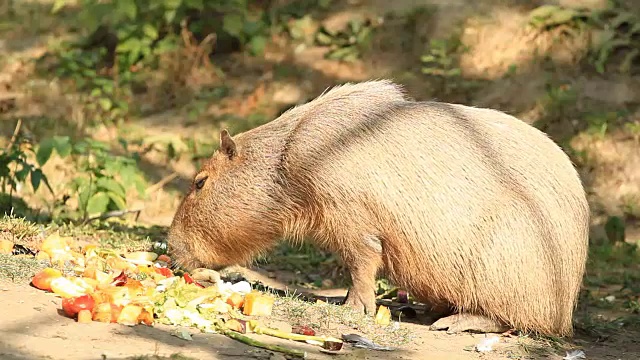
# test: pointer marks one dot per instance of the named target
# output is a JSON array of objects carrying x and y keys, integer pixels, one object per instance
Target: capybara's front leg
[{"x": 363, "y": 270}]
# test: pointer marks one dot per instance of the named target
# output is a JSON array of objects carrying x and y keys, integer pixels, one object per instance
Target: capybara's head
[{"x": 229, "y": 213}]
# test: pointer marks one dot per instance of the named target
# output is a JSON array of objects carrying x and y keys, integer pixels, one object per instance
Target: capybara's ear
[{"x": 227, "y": 145}]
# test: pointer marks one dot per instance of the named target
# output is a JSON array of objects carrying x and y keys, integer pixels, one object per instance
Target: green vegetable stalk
[{"x": 256, "y": 343}]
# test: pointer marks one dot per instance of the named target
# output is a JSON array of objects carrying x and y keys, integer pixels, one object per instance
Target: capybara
[{"x": 466, "y": 208}]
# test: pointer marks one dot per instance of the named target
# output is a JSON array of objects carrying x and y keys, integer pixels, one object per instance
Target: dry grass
[
  {"x": 19, "y": 268},
  {"x": 181, "y": 74},
  {"x": 328, "y": 319},
  {"x": 505, "y": 42}
]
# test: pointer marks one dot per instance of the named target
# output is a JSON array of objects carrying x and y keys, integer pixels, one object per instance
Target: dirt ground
[{"x": 32, "y": 328}]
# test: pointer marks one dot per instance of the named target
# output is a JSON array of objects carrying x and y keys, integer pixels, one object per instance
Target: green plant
[
  {"x": 140, "y": 26},
  {"x": 558, "y": 102},
  {"x": 619, "y": 34},
  {"x": 16, "y": 167},
  {"x": 614, "y": 31},
  {"x": 348, "y": 44},
  {"x": 440, "y": 59},
  {"x": 599, "y": 122},
  {"x": 546, "y": 17},
  {"x": 102, "y": 179},
  {"x": 105, "y": 99}
]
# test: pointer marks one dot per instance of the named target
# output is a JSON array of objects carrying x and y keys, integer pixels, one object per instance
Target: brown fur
[{"x": 462, "y": 206}]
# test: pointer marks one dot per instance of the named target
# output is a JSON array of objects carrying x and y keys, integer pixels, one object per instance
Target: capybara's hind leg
[{"x": 468, "y": 322}]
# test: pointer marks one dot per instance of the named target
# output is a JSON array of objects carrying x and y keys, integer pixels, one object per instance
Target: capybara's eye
[{"x": 200, "y": 183}]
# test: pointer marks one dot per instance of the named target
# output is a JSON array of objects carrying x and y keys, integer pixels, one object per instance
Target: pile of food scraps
[{"x": 100, "y": 284}]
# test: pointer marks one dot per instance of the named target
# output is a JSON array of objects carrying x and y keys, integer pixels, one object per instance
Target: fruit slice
[
  {"x": 102, "y": 312},
  {"x": 72, "y": 306},
  {"x": 66, "y": 288},
  {"x": 6, "y": 247},
  {"x": 42, "y": 280},
  {"x": 383, "y": 316},
  {"x": 235, "y": 300},
  {"x": 129, "y": 315},
  {"x": 84, "y": 316},
  {"x": 258, "y": 304}
]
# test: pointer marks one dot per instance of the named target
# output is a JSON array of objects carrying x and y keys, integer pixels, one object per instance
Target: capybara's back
[
  {"x": 467, "y": 208},
  {"x": 471, "y": 207}
]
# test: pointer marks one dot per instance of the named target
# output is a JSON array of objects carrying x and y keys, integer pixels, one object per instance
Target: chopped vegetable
[
  {"x": 42, "y": 280},
  {"x": 6, "y": 247},
  {"x": 402, "y": 297},
  {"x": 66, "y": 288},
  {"x": 102, "y": 312},
  {"x": 55, "y": 245},
  {"x": 236, "y": 325},
  {"x": 189, "y": 280},
  {"x": 129, "y": 315},
  {"x": 253, "y": 342},
  {"x": 235, "y": 300},
  {"x": 383, "y": 316},
  {"x": 142, "y": 256},
  {"x": 84, "y": 316},
  {"x": 166, "y": 272},
  {"x": 303, "y": 330},
  {"x": 332, "y": 344},
  {"x": 43, "y": 256},
  {"x": 258, "y": 304},
  {"x": 72, "y": 306},
  {"x": 120, "y": 279}
]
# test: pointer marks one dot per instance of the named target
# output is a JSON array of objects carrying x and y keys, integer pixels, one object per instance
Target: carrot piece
[{"x": 235, "y": 300}]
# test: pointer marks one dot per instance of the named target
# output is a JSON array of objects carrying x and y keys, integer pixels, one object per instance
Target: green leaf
[
  {"x": 150, "y": 31},
  {"x": 543, "y": 11},
  {"x": 233, "y": 24},
  {"x": 117, "y": 200},
  {"x": 44, "y": 151},
  {"x": 172, "y": 4},
  {"x": 195, "y": 4},
  {"x": 622, "y": 18},
  {"x": 95, "y": 92},
  {"x": 127, "y": 8},
  {"x": 62, "y": 144},
  {"x": 98, "y": 203},
  {"x": 258, "y": 44},
  {"x": 22, "y": 174},
  {"x": 112, "y": 185},
  {"x": 129, "y": 45},
  {"x": 169, "y": 15},
  {"x": 105, "y": 103},
  {"x": 58, "y": 5},
  {"x": 36, "y": 178}
]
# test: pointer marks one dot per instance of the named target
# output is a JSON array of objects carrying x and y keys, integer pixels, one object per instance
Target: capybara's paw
[
  {"x": 203, "y": 274},
  {"x": 467, "y": 322},
  {"x": 361, "y": 302}
]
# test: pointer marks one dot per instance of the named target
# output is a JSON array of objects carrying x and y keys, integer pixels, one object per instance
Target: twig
[
  {"x": 14, "y": 137},
  {"x": 256, "y": 343},
  {"x": 114, "y": 213},
  {"x": 157, "y": 186}
]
